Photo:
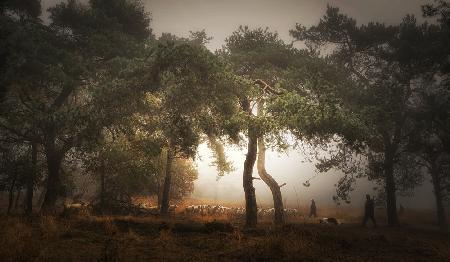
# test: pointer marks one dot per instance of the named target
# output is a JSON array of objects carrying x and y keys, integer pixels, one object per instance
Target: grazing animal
[
  {"x": 291, "y": 212},
  {"x": 329, "y": 220},
  {"x": 75, "y": 209},
  {"x": 173, "y": 208},
  {"x": 153, "y": 210}
]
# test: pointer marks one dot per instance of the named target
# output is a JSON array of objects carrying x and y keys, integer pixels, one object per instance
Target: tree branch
[
  {"x": 15, "y": 132},
  {"x": 266, "y": 87},
  {"x": 62, "y": 97}
]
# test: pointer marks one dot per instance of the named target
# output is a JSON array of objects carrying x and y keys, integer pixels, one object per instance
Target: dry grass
[
  {"x": 82, "y": 237},
  {"x": 126, "y": 238}
]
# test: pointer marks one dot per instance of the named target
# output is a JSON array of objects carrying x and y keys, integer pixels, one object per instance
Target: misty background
[{"x": 219, "y": 19}]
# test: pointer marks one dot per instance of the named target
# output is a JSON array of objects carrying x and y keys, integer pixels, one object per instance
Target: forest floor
[{"x": 125, "y": 238}]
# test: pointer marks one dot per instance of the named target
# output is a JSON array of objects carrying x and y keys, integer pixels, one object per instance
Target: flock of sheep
[
  {"x": 218, "y": 210},
  {"x": 237, "y": 211},
  {"x": 202, "y": 210}
]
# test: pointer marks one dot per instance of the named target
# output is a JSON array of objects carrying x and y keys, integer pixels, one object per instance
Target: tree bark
[
  {"x": 53, "y": 180},
  {"x": 167, "y": 183},
  {"x": 161, "y": 161},
  {"x": 102, "y": 191},
  {"x": 271, "y": 183},
  {"x": 19, "y": 192},
  {"x": 391, "y": 198},
  {"x": 30, "y": 181},
  {"x": 441, "y": 216},
  {"x": 251, "y": 209}
]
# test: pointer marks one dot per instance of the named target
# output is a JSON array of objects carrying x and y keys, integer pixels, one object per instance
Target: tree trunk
[
  {"x": 53, "y": 179},
  {"x": 159, "y": 196},
  {"x": 161, "y": 170},
  {"x": 19, "y": 192},
  {"x": 251, "y": 209},
  {"x": 441, "y": 216},
  {"x": 391, "y": 198},
  {"x": 167, "y": 183},
  {"x": 11, "y": 193},
  {"x": 271, "y": 183},
  {"x": 102, "y": 191},
  {"x": 30, "y": 181}
]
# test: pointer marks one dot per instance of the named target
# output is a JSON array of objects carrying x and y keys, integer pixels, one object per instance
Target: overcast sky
[{"x": 220, "y": 18}]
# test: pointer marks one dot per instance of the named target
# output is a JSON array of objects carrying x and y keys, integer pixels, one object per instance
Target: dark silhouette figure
[
  {"x": 313, "y": 209},
  {"x": 369, "y": 212},
  {"x": 401, "y": 210}
]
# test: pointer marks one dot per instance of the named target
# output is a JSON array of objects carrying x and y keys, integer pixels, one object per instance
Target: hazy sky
[{"x": 220, "y": 18}]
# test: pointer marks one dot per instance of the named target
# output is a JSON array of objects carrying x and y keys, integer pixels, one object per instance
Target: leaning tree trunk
[
  {"x": 391, "y": 198},
  {"x": 251, "y": 209},
  {"x": 167, "y": 183},
  {"x": 53, "y": 179},
  {"x": 30, "y": 181},
  {"x": 270, "y": 181},
  {"x": 441, "y": 216}
]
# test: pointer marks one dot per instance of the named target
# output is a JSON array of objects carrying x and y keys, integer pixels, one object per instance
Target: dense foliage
[{"x": 96, "y": 94}]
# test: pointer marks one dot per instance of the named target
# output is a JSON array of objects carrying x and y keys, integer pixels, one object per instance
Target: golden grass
[{"x": 128, "y": 238}]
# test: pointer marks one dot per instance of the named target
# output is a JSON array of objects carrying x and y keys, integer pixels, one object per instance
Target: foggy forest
[{"x": 208, "y": 130}]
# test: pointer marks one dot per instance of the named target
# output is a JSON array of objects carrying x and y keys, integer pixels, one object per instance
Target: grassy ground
[{"x": 90, "y": 238}]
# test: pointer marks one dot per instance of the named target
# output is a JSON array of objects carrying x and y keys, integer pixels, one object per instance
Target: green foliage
[
  {"x": 128, "y": 169},
  {"x": 258, "y": 54},
  {"x": 441, "y": 9},
  {"x": 196, "y": 94},
  {"x": 223, "y": 166},
  {"x": 96, "y": 83},
  {"x": 65, "y": 83},
  {"x": 184, "y": 175},
  {"x": 383, "y": 64},
  {"x": 23, "y": 8}
]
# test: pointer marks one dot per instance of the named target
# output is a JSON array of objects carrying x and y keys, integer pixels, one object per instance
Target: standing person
[
  {"x": 313, "y": 209},
  {"x": 369, "y": 211},
  {"x": 401, "y": 210}
]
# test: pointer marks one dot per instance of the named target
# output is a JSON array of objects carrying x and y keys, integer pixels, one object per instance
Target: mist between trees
[{"x": 93, "y": 98}]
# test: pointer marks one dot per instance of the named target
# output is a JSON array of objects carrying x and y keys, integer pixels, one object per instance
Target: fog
[
  {"x": 291, "y": 168},
  {"x": 220, "y": 18}
]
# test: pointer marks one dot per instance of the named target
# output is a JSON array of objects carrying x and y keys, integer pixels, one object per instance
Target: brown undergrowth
[{"x": 127, "y": 238}]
